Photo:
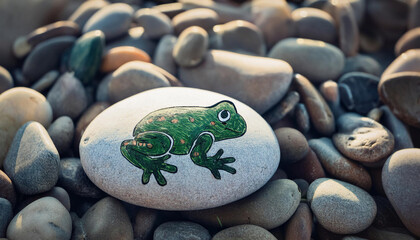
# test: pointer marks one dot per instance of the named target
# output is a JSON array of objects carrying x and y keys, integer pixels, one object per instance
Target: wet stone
[
  {"x": 155, "y": 23},
  {"x": 314, "y": 24},
  {"x": 181, "y": 231},
  {"x": 244, "y": 232},
  {"x": 32, "y": 162},
  {"x": 201, "y": 17},
  {"x": 190, "y": 186},
  {"x": 191, "y": 46}
]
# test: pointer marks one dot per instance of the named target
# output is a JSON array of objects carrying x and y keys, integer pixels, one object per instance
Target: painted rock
[{"x": 179, "y": 149}]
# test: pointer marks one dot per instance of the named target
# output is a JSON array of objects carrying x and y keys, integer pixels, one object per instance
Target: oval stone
[
  {"x": 314, "y": 24},
  {"x": 191, "y": 46},
  {"x": 175, "y": 135},
  {"x": 155, "y": 23},
  {"x": 202, "y": 17}
]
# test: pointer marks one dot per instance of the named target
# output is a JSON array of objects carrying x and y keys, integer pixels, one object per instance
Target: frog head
[{"x": 227, "y": 122}]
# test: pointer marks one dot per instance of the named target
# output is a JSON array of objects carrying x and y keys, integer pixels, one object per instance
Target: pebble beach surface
[{"x": 214, "y": 119}]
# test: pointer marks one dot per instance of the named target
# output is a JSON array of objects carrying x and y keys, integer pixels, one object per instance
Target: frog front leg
[
  {"x": 214, "y": 163},
  {"x": 142, "y": 152}
]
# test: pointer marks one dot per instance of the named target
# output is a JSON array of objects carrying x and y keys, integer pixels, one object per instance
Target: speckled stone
[
  {"x": 314, "y": 24},
  {"x": 339, "y": 166},
  {"x": 45, "y": 218},
  {"x": 399, "y": 178},
  {"x": 32, "y": 162},
  {"x": 181, "y": 231},
  {"x": 201, "y": 17},
  {"x": 155, "y": 23},
  {"x": 244, "y": 232},
  {"x": 191, "y": 186},
  {"x": 191, "y": 46},
  {"x": 293, "y": 145},
  {"x": 28, "y": 105},
  {"x": 341, "y": 207},
  {"x": 362, "y": 139},
  {"x": 242, "y": 77}
]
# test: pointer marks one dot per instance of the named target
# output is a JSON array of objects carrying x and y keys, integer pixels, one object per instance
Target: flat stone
[
  {"x": 320, "y": 113},
  {"x": 118, "y": 56},
  {"x": 45, "y": 57},
  {"x": 181, "y": 231},
  {"x": 67, "y": 97},
  {"x": 82, "y": 14},
  {"x": 339, "y": 166},
  {"x": 300, "y": 224},
  {"x": 201, "y": 17},
  {"x": 314, "y": 24},
  {"x": 399, "y": 176},
  {"x": 6, "y": 215},
  {"x": 362, "y": 63},
  {"x": 61, "y": 132},
  {"x": 309, "y": 168},
  {"x": 45, "y": 218},
  {"x": 188, "y": 185},
  {"x": 362, "y": 139},
  {"x": 318, "y": 61},
  {"x": 269, "y": 207},
  {"x": 7, "y": 190},
  {"x": 74, "y": 179},
  {"x": 107, "y": 219},
  {"x": 113, "y": 20},
  {"x": 6, "y": 80},
  {"x": 191, "y": 46},
  {"x": 32, "y": 162},
  {"x": 410, "y": 40},
  {"x": 363, "y": 88},
  {"x": 341, "y": 207},
  {"x": 239, "y": 36},
  {"x": 155, "y": 23},
  {"x": 293, "y": 145},
  {"x": 239, "y": 76},
  {"x": 163, "y": 54},
  {"x": 244, "y": 232},
  {"x": 131, "y": 78},
  {"x": 29, "y": 105}
]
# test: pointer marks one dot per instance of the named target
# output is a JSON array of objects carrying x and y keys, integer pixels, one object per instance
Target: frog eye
[{"x": 224, "y": 116}]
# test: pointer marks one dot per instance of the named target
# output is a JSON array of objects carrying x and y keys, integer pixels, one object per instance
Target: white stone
[{"x": 192, "y": 187}]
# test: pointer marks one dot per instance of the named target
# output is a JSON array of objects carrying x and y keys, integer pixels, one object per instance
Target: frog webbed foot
[{"x": 217, "y": 163}]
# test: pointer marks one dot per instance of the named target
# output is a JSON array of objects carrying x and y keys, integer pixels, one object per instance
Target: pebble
[
  {"x": 309, "y": 168},
  {"x": 46, "y": 218},
  {"x": 410, "y": 40},
  {"x": 302, "y": 118},
  {"x": 191, "y": 46},
  {"x": 85, "y": 56},
  {"x": 45, "y": 57},
  {"x": 318, "y": 61},
  {"x": 163, "y": 54},
  {"x": 145, "y": 222},
  {"x": 32, "y": 162},
  {"x": 225, "y": 12},
  {"x": 293, "y": 145},
  {"x": 362, "y": 63},
  {"x": 67, "y": 97},
  {"x": 269, "y": 15},
  {"x": 244, "y": 232},
  {"x": 7, "y": 190},
  {"x": 118, "y": 56},
  {"x": 56, "y": 192},
  {"x": 320, "y": 113},
  {"x": 285, "y": 106},
  {"x": 363, "y": 88},
  {"x": 339, "y": 166},
  {"x": 155, "y": 23},
  {"x": 46, "y": 81},
  {"x": 362, "y": 139},
  {"x": 131, "y": 78},
  {"x": 181, "y": 231},
  {"x": 6, "y": 215},
  {"x": 107, "y": 219},
  {"x": 399, "y": 178},
  {"x": 23, "y": 45},
  {"x": 299, "y": 227},
  {"x": 201, "y": 17},
  {"x": 316, "y": 24},
  {"x": 269, "y": 207},
  {"x": 341, "y": 207},
  {"x": 135, "y": 38},
  {"x": 331, "y": 94},
  {"x": 29, "y": 105},
  {"x": 401, "y": 134},
  {"x": 74, "y": 179},
  {"x": 414, "y": 16},
  {"x": 61, "y": 132},
  {"x": 238, "y": 75},
  {"x": 113, "y": 20},
  {"x": 239, "y": 36},
  {"x": 82, "y": 14},
  {"x": 191, "y": 187},
  {"x": 6, "y": 80}
]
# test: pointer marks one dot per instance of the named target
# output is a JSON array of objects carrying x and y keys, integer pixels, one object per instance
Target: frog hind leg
[
  {"x": 214, "y": 163},
  {"x": 137, "y": 156}
]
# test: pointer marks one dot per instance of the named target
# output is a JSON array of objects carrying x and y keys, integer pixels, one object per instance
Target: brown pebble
[
  {"x": 309, "y": 168},
  {"x": 293, "y": 145},
  {"x": 116, "y": 57},
  {"x": 299, "y": 226}
]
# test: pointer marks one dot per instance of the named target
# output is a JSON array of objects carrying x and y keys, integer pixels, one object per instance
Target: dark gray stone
[
  {"x": 61, "y": 132},
  {"x": 244, "y": 232}
]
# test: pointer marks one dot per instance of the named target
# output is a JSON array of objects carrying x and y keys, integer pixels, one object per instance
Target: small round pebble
[
  {"x": 293, "y": 145},
  {"x": 190, "y": 47},
  {"x": 181, "y": 231},
  {"x": 341, "y": 207},
  {"x": 61, "y": 132},
  {"x": 45, "y": 219},
  {"x": 244, "y": 232}
]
